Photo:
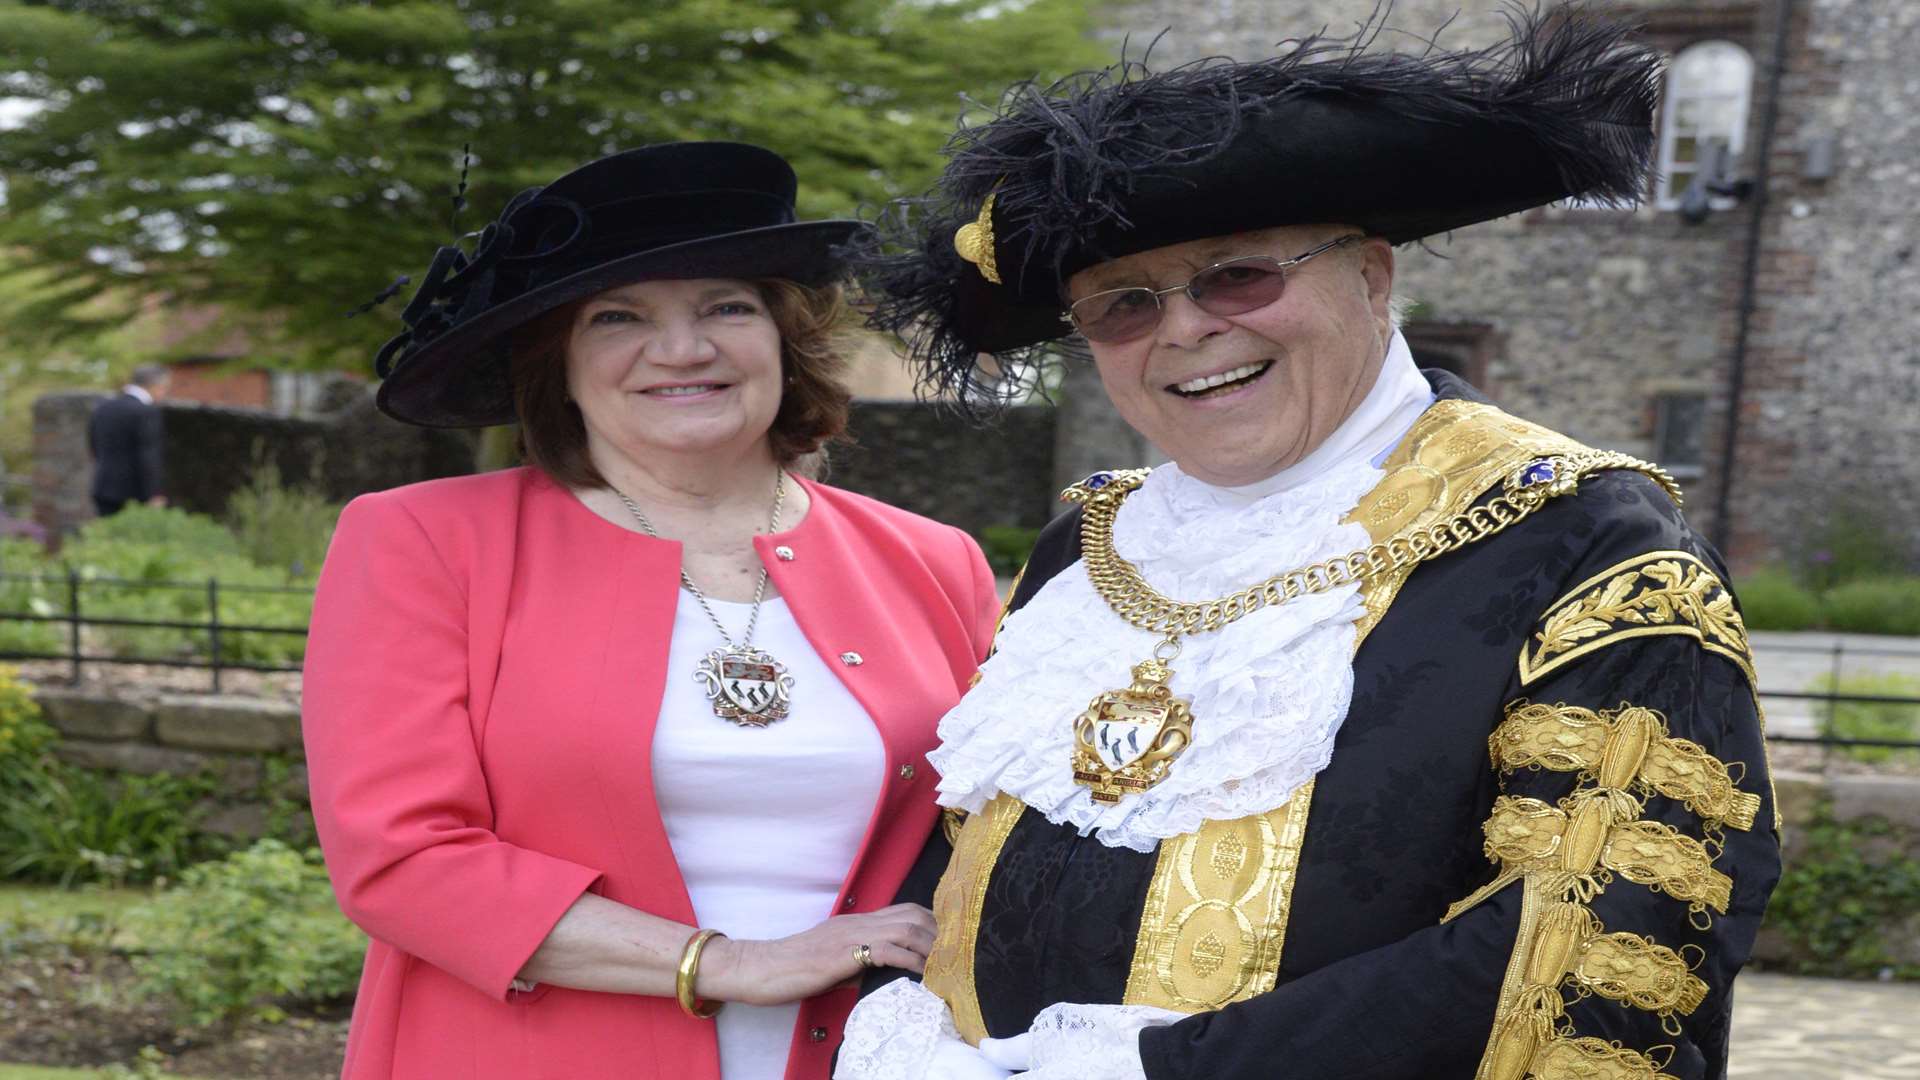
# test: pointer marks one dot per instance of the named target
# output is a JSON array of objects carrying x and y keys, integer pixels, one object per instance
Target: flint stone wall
[{"x": 1601, "y": 310}]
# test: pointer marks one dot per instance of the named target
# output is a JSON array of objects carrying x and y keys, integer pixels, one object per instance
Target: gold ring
[{"x": 863, "y": 955}]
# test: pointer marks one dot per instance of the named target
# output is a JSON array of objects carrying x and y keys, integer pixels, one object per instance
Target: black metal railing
[
  {"x": 220, "y": 635},
  {"x": 1838, "y": 652}
]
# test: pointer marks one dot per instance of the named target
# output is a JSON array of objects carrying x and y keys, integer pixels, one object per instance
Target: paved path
[
  {"x": 1791, "y": 1028},
  {"x": 1796, "y": 662}
]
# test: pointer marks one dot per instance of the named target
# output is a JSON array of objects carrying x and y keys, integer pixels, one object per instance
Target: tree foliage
[{"x": 285, "y": 159}]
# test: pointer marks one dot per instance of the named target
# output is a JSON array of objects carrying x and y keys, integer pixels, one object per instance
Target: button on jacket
[{"x": 484, "y": 671}]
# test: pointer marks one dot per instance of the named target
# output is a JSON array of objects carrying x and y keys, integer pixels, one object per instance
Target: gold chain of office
[{"x": 1121, "y": 585}]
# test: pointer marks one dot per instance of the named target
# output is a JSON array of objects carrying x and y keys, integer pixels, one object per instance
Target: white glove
[
  {"x": 903, "y": 1031},
  {"x": 953, "y": 1059},
  {"x": 1013, "y": 1055},
  {"x": 1091, "y": 1042}
]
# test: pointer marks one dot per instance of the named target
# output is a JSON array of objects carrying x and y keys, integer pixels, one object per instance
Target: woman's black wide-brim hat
[
  {"x": 1108, "y": 163},
  {"x": 676, "y": 210}
]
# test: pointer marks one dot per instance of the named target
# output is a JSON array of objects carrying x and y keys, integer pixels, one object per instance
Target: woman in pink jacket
[{"x": 619, "y": 757}]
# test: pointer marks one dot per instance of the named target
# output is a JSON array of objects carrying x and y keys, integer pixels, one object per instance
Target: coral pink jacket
[{"x": 484, "y": 671}]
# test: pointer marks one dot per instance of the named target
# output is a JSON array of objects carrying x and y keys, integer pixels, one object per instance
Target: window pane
[
  {"x": 1709, "y": 90},
  {"x": 1679, "y": 428}
]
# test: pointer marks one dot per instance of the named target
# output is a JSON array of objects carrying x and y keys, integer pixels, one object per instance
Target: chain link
[
  {"x": 759, "y": 590},
  {"x": 1127, "y": 592}
]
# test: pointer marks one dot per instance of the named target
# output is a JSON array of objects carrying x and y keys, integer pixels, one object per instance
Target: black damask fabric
[{"x": 1372, "y": 986}]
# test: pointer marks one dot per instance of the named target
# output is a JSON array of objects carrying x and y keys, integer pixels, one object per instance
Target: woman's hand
[{"x": 815, "y": 960}]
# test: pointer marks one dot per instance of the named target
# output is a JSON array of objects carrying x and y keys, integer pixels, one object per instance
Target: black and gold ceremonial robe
[{"x": 1541, "y": 848}]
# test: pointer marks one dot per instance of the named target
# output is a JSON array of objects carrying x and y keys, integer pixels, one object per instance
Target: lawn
[{"x": 66, "y": 914}]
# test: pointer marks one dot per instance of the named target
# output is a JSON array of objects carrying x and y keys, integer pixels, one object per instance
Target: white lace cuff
[
  {"x": 1092, "y": 1042},
  {"x": 893, "y": 1034}
]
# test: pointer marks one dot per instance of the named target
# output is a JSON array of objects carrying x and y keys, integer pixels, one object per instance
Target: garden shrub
[
  {"x": 22, "y": 594},
  {"x": 1771, "y": 600},
  {"x": 69, "y": 825},
  {"x": 163, "y": 545},
  {"x": 1007, "y": 547},
  {"x": 178, "y": 533},
  {"x": 279, "y": 527},
  {"x": 1868, "y": 719},
  {"x": 23, "y": 737},
  {"x": 248, "y": 935},
  {"x": 1884, "y": 605},
  {"x": 1837, "y": 899},
  {"x": 65, "y": 824}
]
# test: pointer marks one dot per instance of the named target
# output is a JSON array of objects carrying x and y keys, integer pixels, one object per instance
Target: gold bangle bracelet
[{"x": 689, "y": 971}]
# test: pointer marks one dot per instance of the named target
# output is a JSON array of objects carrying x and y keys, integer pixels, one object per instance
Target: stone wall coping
[
  {"x": 1895, "y": 798},
  {"x": 209, "y": 722}
]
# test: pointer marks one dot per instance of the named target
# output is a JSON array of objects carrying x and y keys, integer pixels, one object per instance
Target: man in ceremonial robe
[{"x": 1381, "y": 734}]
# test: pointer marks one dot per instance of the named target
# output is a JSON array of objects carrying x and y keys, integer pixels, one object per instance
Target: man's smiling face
[{"x": 1234, "y": 399}]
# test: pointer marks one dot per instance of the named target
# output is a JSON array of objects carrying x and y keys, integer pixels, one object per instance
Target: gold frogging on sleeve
[
  {"x": 1568, "y": 738},
  {"x": 1661, "y": 592},
  {"x": 1566, "y": 853},
  {"x": 1576, "y": 847},
  {"x": 1595, "y": 1059},
  {"x": 957, "y": 905}
]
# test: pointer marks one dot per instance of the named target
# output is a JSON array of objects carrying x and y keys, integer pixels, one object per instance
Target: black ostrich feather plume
[{"x": 1103, "y": 163}]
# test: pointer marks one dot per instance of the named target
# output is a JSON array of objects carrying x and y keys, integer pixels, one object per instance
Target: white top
[
  {"x": 1268, "y": 692},
  {"x": 765, "y": 822}
]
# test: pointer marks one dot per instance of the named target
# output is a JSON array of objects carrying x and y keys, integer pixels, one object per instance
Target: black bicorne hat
[
  {"x": 1108, "y": 163},
  {"x": 676, "y": 210}
]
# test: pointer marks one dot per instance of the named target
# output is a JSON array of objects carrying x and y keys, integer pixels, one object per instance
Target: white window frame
[{"x": 1667, "y": 194}]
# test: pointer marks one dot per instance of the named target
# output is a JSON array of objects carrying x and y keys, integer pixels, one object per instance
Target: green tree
[{"x": 285, "y": 159}]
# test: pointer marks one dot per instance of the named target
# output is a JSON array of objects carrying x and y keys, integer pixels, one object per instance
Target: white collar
[{"x": 138, "y": 393}]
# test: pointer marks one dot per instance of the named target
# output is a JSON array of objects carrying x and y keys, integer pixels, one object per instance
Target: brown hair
[{"x": 813, "y": 402}]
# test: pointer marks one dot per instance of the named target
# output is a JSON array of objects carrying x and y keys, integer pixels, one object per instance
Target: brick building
[{"x": 1765, "y": 353}]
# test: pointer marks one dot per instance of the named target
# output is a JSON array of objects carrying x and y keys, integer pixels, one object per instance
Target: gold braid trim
[
  {"x": 1631, "y": 747},
  {"x": 1576, "y": 846},
  {"x": 1563, "y": 943},
  {"x": 1594, "y": 1059},
  {"x": 1640, "y": 972},
  {"x": 958, "y": 903},
  {"x": 1661, "y": 592}
]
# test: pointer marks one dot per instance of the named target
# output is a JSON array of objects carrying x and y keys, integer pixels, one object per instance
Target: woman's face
[{"x": 675, "y": 367}]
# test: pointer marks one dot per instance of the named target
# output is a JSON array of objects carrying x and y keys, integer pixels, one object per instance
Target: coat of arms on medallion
[
  {"x": 1126, "y": 740},
  {"x": 747, "y": 686}
]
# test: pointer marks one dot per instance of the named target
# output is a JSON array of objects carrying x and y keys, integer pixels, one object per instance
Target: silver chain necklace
[{"x": 745, "y": 685}]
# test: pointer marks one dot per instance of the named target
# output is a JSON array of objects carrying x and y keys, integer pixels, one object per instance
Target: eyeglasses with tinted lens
[{"x": 1233, "y": 287}]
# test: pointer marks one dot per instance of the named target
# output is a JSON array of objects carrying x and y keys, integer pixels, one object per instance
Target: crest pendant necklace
[
  {"x": 1126, "y": 740},
  {"x": 745, "y": 685}
]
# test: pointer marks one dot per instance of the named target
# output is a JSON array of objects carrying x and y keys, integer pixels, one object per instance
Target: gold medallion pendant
[{"x": 1127, "y": 740}]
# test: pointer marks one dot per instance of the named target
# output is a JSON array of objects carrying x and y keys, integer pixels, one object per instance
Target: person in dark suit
[{"x": 123, "y": 436}]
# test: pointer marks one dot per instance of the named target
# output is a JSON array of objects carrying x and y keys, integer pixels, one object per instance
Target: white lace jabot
[{"x": 1268, "y": 692}]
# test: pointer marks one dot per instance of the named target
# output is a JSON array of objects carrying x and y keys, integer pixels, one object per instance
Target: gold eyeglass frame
[{"x": 1278, "y": 264}]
